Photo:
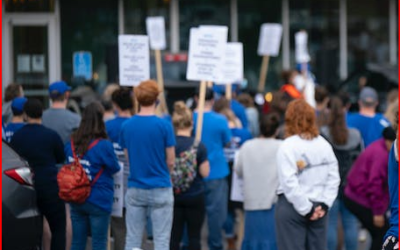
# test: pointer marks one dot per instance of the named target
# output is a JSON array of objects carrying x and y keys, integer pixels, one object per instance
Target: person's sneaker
[{"x": 362, "y": 235}]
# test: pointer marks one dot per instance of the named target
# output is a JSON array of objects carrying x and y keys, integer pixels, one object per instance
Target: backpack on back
[
  {"x": 185, "y": 169},
  {"x": 73, "y": 182}
]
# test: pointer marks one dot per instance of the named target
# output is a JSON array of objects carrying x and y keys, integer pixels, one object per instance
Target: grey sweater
[{"x": 256, "y": 165}]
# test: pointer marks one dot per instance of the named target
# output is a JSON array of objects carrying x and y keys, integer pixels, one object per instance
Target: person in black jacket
[{"x": 43, "y": 149}]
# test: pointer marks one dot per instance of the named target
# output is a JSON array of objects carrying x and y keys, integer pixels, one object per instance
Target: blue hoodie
[
  {"x": 394, "y": 194},
  {"x": 101, "y": 155}
]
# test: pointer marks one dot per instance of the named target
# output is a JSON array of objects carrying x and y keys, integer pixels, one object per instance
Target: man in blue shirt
[
  {"x": 367, "y": 121},
  {"x": 149, "y": 143},
  {"x": 17, "y": 121},
  {"x": 215, "y": 136},
  {"x": 122, "y": 101}
]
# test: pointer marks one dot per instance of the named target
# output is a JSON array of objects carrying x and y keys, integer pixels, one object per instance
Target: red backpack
[{"x": 73, "y": 182}]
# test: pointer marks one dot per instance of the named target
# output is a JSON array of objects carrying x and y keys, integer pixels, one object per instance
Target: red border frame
[{"x": 1, "y": 89}]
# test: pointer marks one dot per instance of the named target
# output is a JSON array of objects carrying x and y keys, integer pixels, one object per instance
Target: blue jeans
[
  {"x": 88, "y": 215},
  {"x": 159, "y": 202},
  {"x": 216, "y": 208},
  {"x": 349, "y": 223},
  {"x": 229, "y": 225}
]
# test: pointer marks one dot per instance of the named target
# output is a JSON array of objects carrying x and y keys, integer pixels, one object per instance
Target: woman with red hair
[{"x": 309, "y": 181}]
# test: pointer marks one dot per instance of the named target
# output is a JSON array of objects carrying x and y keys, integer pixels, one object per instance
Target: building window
[
  {"x": 90, "y": 26},
  {"x": 195, "y": 13},
  {"x": 368, "y": 33},
  {"x": 29, "y": 5}
]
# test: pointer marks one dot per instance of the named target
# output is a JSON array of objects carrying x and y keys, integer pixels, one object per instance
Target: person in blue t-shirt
[
  {"x": 123, "y": 104},
  {"x": 367, "y": 121},
  {"x": 17, "y": 121},
  {"x": 149, "y": 143},
  {"x": 239, "y": 136},
  {"x": 97, "y": 157},
  {"x": 391, "y": 240},
  {"x": 238, "y": 109},
  {"x": 215, "y": 136}
]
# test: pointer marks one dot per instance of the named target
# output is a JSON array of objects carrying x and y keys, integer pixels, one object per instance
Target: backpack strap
[
  {"x": 97, "y": 176},
  {"x": 91, "y": 145}
]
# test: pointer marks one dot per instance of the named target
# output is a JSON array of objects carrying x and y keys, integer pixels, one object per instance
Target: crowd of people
[{"x": 305, "y": 161}]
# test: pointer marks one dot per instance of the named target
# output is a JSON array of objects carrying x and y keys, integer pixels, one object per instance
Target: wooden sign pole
[
  {"x": 162, "y": 108},
  {"x": 228, "y": 92},
  {"x": 263, "y": 74},
  {"x": 135, "y": 102},
  {"x": 200, "y": 110}
]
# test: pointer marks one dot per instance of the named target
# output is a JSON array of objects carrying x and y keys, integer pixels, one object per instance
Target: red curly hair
[{"x": 300, "y": 120}]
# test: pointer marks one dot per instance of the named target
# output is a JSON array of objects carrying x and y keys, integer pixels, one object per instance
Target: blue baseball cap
[
  {"x": 18, "y": 103},
  {"x": 58, "y": 88}
]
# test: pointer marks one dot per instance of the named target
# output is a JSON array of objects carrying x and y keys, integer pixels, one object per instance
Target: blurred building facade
[{"x": 40, "y": 36}]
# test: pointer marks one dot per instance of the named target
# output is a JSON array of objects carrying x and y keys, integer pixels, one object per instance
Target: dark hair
[
  {"x": 122, "y": 98},
  {"x": 344, "y": 97},
  {"x": 16, "y": 112},
  {"x": 221, "y": 104},
  {"x": 287, "y": 74},
  {"x": 92, "y": 127},
  {"x": 209, "y": 94},
  {"x": 57, "y": 97},
  {"x": 12, "y": 91},
  {"x": 246, "y": 100},
  {"x": 269, "y": 124},
  {"x": 389, "y": 134},
  {"x": 107, "y": 105},
  {"x": 337, "y": 122},
  {"x": 33, "y": 108},
  {"x": 321, "y": 93}
]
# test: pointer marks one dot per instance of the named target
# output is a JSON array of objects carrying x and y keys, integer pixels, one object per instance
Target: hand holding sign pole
[
  {"x": 206, "y": 55},
  {"x": 268, "y": 45},
  {"x": 156, "y": 30}
]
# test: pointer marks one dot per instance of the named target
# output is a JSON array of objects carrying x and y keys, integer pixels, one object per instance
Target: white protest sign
[
  {"x": 232, "y": 68},
  {"x": 156, "y": 31},
  {"x": 206, "y": 53},
  {"x": 237, "y": 188},
  {"x": 118, "y": 201},
  {"x": 270, "y": 39},
  {"x": 134, "y": 59},
  {"x": 237, "y": 191},
  {"x": 302, "y": 55}
]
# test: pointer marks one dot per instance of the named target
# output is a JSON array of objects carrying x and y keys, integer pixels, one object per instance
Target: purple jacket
[{"x": 367, "y": 181}]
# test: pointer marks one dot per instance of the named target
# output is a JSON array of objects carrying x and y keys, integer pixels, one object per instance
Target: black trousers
[
  {"x": 296, "y": 232},
  {"x": 366, "y": 217},
  {"x": 189, "y": 212},
  {"x": 53, "y": 208}
]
